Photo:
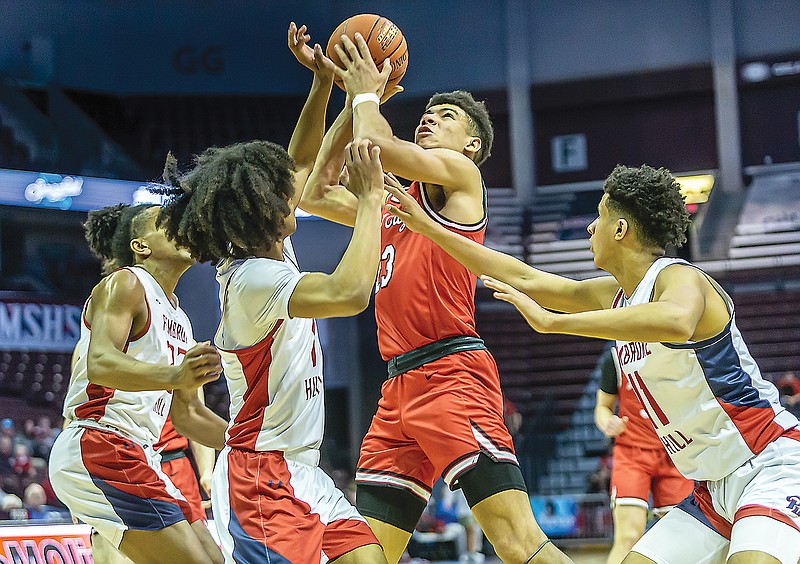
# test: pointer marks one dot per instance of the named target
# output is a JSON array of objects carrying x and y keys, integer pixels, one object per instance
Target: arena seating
[
  {"x": 12, "y": 154},
  {"x": 506, "y": 222},
  {"x": 150, "y": 126},
  {"x": 38, "y": 377}
]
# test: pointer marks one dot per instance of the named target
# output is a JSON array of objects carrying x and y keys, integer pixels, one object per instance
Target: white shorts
[
  {"x": 757, "y": 508},
  {"x": 268, "y": 508},
  {"x": 113, "y": 483}
]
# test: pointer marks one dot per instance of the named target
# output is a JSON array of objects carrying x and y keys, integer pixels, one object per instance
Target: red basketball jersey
[
  {"x": 422, "y": 293},
  {"x": 170, "y": 439}
]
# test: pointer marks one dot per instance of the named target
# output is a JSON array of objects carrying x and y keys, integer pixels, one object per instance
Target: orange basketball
[{"x": 384, "y": 39}]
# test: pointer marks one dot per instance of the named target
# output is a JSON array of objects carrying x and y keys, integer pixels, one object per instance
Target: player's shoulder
[
  {"x": 683, "y": 273},
  {"x": 260, "y": 272},
  {"x": 122, "y": 281},
  {"x": 122, "y": 288}
]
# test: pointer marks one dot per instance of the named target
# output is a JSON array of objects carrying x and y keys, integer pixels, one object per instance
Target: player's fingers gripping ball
[{"x": 384, "y": 40}]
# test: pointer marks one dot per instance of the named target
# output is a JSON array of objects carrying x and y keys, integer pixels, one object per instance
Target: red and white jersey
[
  {"x": 422, "y": 293},
  {"x": 273, "y": 363},
  {"x": 164, "y": 340},
  {"x": 170, "y": 439},
  {"x": 639, "y": 431},
  {"x": 709, "y": 404}
]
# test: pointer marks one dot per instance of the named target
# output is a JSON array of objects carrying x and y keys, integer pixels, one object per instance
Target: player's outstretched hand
[
  {"x": 406, "y": 208},
  {"x": 202, "y": 364},
  {"x": 311, "y": 58},
  {"x": 363, "y": 163},
  {"x": 615, "y": 426},
  {"x": 359, "y": 75},
  {"x": 536, "y": 316}
]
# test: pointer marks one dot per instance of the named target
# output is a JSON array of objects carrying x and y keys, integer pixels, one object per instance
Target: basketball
[{"x": 384, "y": 39}]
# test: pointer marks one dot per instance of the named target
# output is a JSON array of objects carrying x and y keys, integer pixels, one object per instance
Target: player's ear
[
  {"x": 622, "y": 228},
  {"x": 473, "y": 146},
  {"x": 140, "y": 248}
]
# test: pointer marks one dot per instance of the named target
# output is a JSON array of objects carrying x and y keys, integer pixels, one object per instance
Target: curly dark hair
[
  {"x": 109, "y": 231},
  {"x": 651, "y": 198},
  {"x": 480, "y": 124},
  {"x": 232, "y": 203}
]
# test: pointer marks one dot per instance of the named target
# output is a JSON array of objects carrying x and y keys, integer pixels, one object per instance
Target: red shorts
[
  {"x": 637, "y": 472},
  {"x": 181, "y": 474},
  {"x": 434, "y": 421}
]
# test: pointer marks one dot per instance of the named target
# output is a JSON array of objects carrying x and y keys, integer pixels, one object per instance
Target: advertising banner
[{"x": 46, "y": 544}]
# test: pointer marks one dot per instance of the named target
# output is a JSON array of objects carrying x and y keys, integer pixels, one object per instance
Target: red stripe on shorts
[
  {"x": 122, "y": 463},
  {"x": 703, "y": 498},
  {"x": 763, "y": 511}
]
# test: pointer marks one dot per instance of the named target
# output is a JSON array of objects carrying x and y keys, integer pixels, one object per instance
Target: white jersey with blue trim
[{"x": 709, "y": 404}]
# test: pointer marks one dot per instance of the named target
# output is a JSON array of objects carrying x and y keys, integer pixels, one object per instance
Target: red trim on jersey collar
[{"x": 469, "y": 227}]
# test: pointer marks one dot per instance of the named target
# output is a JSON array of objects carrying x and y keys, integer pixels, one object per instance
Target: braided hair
[
  {"x": 232, "y": 203},
  {"x": 109, "y": 232}
]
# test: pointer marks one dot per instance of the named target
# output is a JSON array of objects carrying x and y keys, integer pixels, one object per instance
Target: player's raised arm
[
  {"x": 310, "y": 128},
  {"x": 324, "y": 195},
  {"x": 348, "y": 289},
  {"x": 553, "y": 291},
  {"x": 365, "y": 83}
]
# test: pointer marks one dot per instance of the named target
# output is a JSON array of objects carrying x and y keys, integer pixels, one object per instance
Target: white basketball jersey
[
  {"x": 709, "y": 404},
  {"x": 273, "y": 363},
  {"x": 164, "y": 340}
]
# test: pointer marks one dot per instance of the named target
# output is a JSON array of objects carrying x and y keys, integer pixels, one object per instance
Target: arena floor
[{"x": 595, "y": 554}]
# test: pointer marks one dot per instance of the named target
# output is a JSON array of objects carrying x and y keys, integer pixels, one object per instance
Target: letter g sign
[{"x": 190, "y": 59}]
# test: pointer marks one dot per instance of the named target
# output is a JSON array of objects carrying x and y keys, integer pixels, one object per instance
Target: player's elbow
[
  {"x": 352, "y": 301},
  {"x": 679, "y": 327},
  {"x": 98, "y": 367}
]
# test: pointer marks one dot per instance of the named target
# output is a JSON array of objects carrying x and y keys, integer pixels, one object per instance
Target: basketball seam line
[{"x": 373, "y": 27}]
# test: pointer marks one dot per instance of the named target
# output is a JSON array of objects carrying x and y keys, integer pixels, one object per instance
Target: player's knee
[
  {"x": 626, "y": 537},
  {"x": 510, "y": 547},
  {"x": 488, "y": 478}
]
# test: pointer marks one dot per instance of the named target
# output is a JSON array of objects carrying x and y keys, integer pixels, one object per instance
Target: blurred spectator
[
  {"x": 6, "y": 444},
  {"x": 789, "y": 387},
  {"x": 7, "y": 428},
  {"x": 600, "y": 480},
  {"x": 447, "y": 521},
  {"x": 11, "y": 507},
  {"x": 24, "y": 450},
  {"x": 512, "y": 417},
  {"x": 21, "y": 460},
  {"x": 452, "y": 507},
  {"x": 35, "y": 505}
]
